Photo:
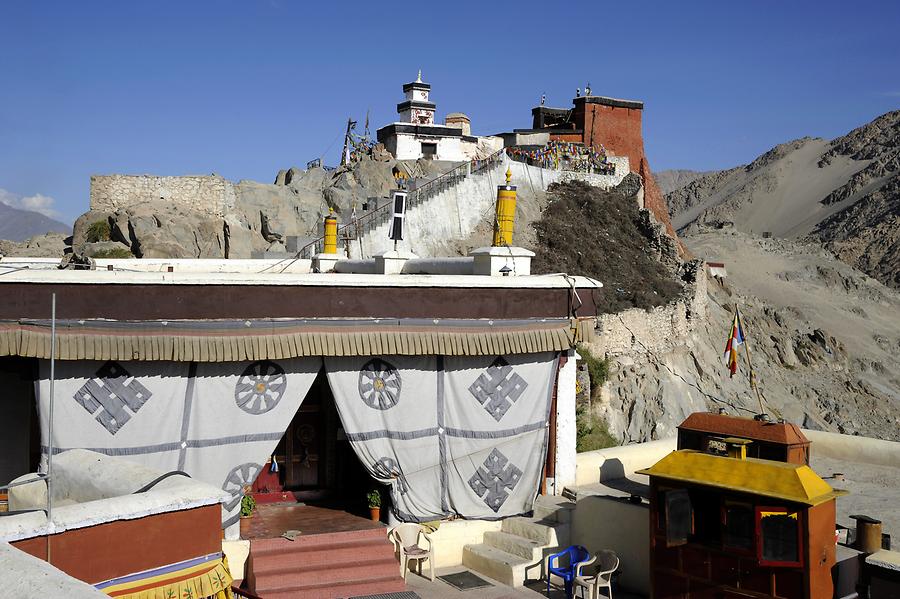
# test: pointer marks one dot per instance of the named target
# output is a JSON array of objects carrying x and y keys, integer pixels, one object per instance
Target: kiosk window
[
  {"x": 739, "y": 526},
  {"x": 779, "y": 537},
  {"x": 679, "y": 517}
]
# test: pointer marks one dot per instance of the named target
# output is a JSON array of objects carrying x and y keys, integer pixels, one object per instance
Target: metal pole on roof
[{"x": 50, "y": 419}]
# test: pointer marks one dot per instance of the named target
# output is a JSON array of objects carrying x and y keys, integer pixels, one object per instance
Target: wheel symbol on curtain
[
  {"x": 379, "y": 384},
  {"x": 261, "y": 387},
  {"x": 239, "y": 477}
]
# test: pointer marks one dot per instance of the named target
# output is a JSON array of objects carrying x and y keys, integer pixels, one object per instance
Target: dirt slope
[
  {"x": 844, "y": 193},
  {"x": 825, "y": 342}
]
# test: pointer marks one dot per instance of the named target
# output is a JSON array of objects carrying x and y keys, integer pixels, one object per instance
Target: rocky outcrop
[
  {"x": 49, "y": 245},
  {"x": 255, "y": 218}
]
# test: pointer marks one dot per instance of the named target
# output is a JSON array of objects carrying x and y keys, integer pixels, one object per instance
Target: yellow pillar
[
  {"x": 330, "y": 233},
  {"x": 504, "y": 222}
]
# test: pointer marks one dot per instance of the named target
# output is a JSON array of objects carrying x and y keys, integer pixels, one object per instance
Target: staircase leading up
[
  {"x": 379, "y": 219},
  {"x": 324, "y": 566},
  {"x": 516, "y": 552}
]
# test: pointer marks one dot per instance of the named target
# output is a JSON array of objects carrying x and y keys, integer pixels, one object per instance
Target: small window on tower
[{"x": 429, "y": 151}]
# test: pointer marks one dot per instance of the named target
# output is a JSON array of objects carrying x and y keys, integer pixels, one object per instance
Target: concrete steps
[
  {"x": 324, "y": 566},
  {"x": 516, "y": 552}
]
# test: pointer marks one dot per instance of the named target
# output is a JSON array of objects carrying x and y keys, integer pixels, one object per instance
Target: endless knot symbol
[
  {"x": 261, "y": 387},
  {"x": 492, "y": 479},
  {"x": 379, "y": 384},
  {"x": 111, "y": 389},
  {"x": 498, "y": 388},
  {"x": 389, "y": 468},
  {"x": 237, "y": 479}
]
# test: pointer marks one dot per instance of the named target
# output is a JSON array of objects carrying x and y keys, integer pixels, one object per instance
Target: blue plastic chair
[{"x": 573, "y": 555}]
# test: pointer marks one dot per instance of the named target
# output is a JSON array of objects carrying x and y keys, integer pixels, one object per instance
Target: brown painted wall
[
  {"x": 820, "y": 552},
  {"x": 619, "y": 130},
  {"x": 152, "y": 302},
  {"x": 106, "y": 551}
]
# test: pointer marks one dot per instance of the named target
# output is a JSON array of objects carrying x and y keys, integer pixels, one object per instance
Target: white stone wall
[
  {"x": 450, "y": 148},
  {"x": 525, "y": 174},
  {"x": 405, "y": 147},
  {"x": 566, "y": 453},
  {"x": 455, "y": 213},
  {"x": 610, "y": 523},
  {"x": 659, "y": 330},
  {"x": 209, "y": 194}
]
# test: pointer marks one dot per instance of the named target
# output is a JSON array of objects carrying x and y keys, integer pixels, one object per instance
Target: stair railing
[{"x": 420, "y": 194}]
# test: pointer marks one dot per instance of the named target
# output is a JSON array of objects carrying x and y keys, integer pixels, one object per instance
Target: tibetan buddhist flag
[{"x": 735, "y": 339}]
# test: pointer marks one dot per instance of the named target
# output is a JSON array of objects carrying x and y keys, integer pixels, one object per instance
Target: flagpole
[{"x": 746, "y": 345}]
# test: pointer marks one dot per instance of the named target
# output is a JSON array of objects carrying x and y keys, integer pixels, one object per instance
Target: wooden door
[{"x": 304, "y": 446}]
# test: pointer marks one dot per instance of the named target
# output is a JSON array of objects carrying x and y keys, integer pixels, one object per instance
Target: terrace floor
[
  {"x": 271, "y": 520},
  {"x": 439, "y": 589}
]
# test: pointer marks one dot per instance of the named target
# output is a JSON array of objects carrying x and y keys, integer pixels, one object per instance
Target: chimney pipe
[{"x": 868, "y": 533}]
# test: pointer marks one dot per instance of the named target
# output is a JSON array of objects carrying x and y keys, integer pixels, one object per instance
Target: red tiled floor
[{"x": 273, "y": 519}]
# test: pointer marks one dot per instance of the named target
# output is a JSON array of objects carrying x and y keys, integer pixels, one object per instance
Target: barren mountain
[
  {"x": 844, "y": 193},
  {"x": 19, "y": 225},
  {"x": 673, "y": 179}
]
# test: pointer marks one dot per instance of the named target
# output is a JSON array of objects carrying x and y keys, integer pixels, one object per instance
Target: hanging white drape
[
  {"x": 460, "y": 436},
  {"x": 219, "y": 422}
]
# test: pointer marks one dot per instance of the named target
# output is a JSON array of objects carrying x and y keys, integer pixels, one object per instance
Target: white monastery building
[{"x": 417, "y": 136}]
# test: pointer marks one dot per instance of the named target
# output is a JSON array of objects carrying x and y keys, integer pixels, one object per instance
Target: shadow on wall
[{"x": 614, "y": 523}]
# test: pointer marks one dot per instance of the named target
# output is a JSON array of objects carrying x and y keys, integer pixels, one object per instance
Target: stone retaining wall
[
  {"x": 209, "y": 194},
  {"x": 658, "y": 330},
  {"x": 455, "y": 213}
]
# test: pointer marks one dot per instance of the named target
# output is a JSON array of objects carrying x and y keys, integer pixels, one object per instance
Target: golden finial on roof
[
  {"x": 508, "y": 175},
  {"x": 419, "y": 78}
]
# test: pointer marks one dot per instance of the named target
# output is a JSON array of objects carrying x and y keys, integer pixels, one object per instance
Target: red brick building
[{"x": 601, "y": 121}]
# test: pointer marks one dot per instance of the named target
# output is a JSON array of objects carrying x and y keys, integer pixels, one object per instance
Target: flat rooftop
[{"x": 262, "y": 272}]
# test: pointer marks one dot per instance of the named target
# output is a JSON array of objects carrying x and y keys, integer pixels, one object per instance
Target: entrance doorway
[{"x": 316, "y": 464}]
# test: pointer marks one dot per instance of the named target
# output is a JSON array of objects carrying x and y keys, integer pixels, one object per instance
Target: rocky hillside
[
  {"x": 673, "y": 179},
  {"x": 49, "y": 245},
  {"x": 602, "y": 234},
  {"x": 843, "y": 193},
  {"x": 19, "y": 225},
  {"x": 825, "y": 343},
  {"x": 263, "y": 218}
]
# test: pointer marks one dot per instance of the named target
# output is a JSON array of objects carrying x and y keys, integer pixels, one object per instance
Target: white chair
[
  {"x": 605, "y": 562},
  {"x": 406, "y": 538}
]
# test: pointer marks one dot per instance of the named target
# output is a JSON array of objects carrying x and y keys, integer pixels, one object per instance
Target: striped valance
[
  {"x": 230, "y": 341},
  {"x": 205, "y": 577}
]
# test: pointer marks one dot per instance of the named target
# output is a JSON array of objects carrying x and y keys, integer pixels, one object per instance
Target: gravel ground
[{"x": 874, "y": 491}]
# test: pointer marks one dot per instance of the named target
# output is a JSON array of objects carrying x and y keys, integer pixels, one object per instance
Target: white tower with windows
[{"x": 416, "y": 108}]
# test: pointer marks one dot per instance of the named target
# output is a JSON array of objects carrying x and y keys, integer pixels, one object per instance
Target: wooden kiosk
[{"x": 731, "y": 526}]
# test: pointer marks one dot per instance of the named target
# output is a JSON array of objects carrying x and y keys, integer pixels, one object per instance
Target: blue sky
[{"x": 245, "y": 88}]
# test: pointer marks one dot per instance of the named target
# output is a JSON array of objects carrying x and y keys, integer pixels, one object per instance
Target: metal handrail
[{"x": 416, "y": 196}]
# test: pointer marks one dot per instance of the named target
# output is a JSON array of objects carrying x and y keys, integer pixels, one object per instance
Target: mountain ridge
[
  {"x": 843, "y": 193},
  {"x": 19, "y": 225}
]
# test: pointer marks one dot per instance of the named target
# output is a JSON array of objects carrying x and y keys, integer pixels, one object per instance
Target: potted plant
[
  {"x": 374, "y": 499},
  {"x": 248, "y": 505}
]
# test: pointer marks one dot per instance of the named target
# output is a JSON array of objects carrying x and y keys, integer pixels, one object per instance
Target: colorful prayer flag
[{"x": 735, "y": 339}]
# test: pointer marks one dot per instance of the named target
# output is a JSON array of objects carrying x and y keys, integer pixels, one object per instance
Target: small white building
[{"x": 416, "y": 135}]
